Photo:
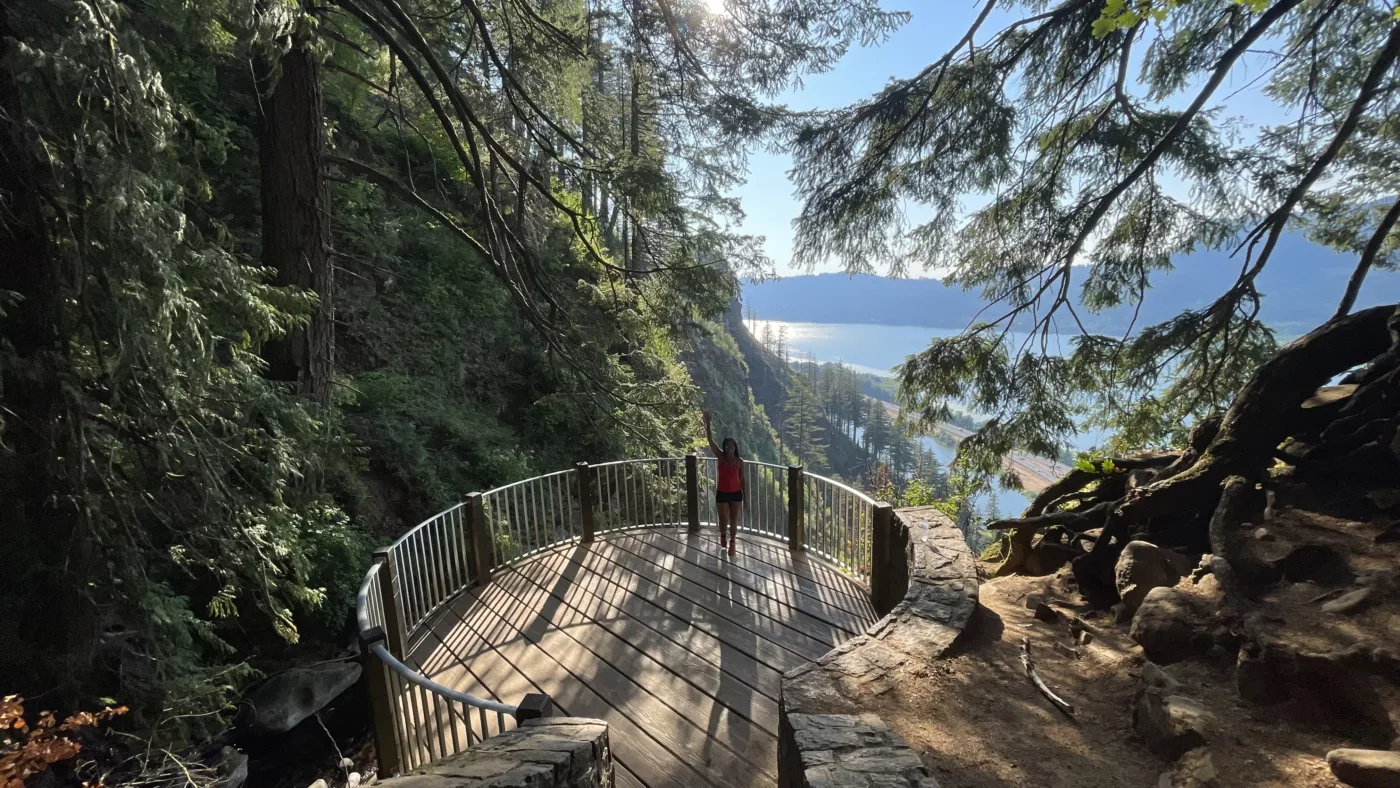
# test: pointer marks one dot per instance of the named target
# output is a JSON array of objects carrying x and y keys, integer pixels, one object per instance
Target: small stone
[
  {"x": 1046, "y": 613},
  {"x": 1264, "y": 535},
  {"x": 1347, "y": 603},
  {"x": 1170, "y": 724},
  {"x": 1202, "y": 771},
  {"x": 1366, "y": 768},
  {"x": 346, "y": 763},
  {"x": 1065, "y": 650},
  {"x": 1035, "y": 600},
  {"x": 1085, "y": 637},
  {"x": 353, "y": 780},
  {"x": 319, "y": 784}
]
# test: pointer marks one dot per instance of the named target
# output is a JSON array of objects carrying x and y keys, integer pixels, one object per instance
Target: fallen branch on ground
[{"x": 1060, "y": 703}]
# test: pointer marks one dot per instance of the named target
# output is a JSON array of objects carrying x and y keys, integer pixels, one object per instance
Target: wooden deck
[{"x": 679, "y": 647}]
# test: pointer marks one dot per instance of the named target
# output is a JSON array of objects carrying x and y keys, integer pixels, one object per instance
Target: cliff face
[
  {"x": 771, "y": 381},
  {"x": 721, "y": 371}
]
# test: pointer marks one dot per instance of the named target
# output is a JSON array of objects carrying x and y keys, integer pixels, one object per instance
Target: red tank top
[{"x": 729, "y": 475}]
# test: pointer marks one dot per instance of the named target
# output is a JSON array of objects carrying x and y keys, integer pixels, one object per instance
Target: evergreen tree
[
  {"x": 1093, "y": 126},
  {"x": 802, "y": 428}
]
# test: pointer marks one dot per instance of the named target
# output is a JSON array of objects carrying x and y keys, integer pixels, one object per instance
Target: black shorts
[{"x": 729, "y": 497}]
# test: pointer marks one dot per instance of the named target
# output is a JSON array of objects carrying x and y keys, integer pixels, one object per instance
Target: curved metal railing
[{"x": 417, "y": 720}]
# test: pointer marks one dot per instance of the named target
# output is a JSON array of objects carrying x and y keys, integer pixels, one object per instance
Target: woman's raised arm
[{"x": 715, "y": 450}]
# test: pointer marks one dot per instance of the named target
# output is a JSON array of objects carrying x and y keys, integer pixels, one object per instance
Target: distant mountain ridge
[{"x": 1301, "y": 287}]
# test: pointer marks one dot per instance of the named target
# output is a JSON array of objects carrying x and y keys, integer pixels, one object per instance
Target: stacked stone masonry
[
  {"x": 557, "y": 752},
  {"x": 826, "y": 740}
]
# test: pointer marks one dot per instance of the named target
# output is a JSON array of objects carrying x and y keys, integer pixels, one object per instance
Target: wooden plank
[
  {"x": 852, "y": 598},
  {"x": 760, "y": 582},
  {"x": 778, "y": 554},
  {"x": 513, "y": 655},
  {"x": 708, "y": 677},
  {"x": 634, "y": 617},
  {"x": 757, "y": 747},
  {"x": 664, "y": 607},
  {"x": 551, "y": 657},
  {"x": 622, "y": 778},
  {"x": 800, "y": 564},
  {"x": 760, "y": 627},
  {"x": 735, "y": 592}
]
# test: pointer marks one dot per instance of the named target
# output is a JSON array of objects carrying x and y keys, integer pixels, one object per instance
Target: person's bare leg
[
  {"x": 734, "y": 509},
  {"x": 723, "y": 511}
]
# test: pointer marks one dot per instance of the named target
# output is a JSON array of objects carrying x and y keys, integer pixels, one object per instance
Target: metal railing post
[
  {"x": 692, "y": 493},
  {"x": 381, "y": 705},
  {"x": 797, "y": 498},
  {"x": 395, "y": 635},
  {"x": 881, "y": 537},
  {"x": 480, "y": 536},
  {"x": 584, "y": 472},
  {"x": 534, "y": 707}
]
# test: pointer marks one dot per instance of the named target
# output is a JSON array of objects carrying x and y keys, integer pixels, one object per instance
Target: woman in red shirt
[{"x": 729, "y": 488}]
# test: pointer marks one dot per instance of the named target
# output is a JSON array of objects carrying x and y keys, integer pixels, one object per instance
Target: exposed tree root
[{"x": 1346, "y": 430}]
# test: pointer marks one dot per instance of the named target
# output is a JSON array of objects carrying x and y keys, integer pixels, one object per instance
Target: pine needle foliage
[{"x": 1065, "y": 151}]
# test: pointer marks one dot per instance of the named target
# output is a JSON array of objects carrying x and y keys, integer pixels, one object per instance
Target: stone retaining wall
[
  {"x": 554, "y": 752},
  {"x": 825, "y": 739}
]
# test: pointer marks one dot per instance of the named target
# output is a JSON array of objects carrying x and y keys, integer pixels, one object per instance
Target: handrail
[
  {"x": 418, "y": 720},
  {"x": 436, "y": 688}
]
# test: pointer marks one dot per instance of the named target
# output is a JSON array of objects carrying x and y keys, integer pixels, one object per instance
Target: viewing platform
[{"x": 602, "y": 592}]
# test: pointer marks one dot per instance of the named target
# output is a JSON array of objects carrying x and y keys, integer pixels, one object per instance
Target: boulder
[
  {"x": 1166, "y": 625},
  {"x": 1170, "y": 724},
  {"x": 232, "y": 768},
  {"x": 1143, "y": 566},
  {"x": 284, "y": 700},
  {"x": 1366, "y": 768}
]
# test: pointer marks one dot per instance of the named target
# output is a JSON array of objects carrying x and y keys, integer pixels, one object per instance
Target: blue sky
[{"x": 936, "y": 25}]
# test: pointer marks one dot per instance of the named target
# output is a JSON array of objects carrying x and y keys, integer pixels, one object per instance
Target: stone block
[{"x": 562, "y": 752}]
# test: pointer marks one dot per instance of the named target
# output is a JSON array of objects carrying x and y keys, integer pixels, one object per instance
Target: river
[{"x": 876, "y": 349}]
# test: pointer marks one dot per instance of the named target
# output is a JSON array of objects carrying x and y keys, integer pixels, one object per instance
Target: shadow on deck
[{"x": 679, "y": 647}]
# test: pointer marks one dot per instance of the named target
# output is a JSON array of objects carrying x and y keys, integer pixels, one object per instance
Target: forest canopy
[{"x": 282, "y": 277}]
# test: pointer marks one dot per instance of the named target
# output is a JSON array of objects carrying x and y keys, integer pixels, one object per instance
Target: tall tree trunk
[
  {"x": 634, "y": 145},
  {"x": 296, "y": 218},
  {"x": 39, "y": 529}
]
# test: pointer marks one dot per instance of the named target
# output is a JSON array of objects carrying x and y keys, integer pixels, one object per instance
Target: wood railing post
[
  {"x": 692, "y": 493},
  {"x": 480, "y": 536},
  {"x": 395, "y": 635},
  {"x": 881, "y": 537},
  {"x": 797, "y": 508},
  {"x": 381, "y": 704},
  {"x": 584, "y": 472}
]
